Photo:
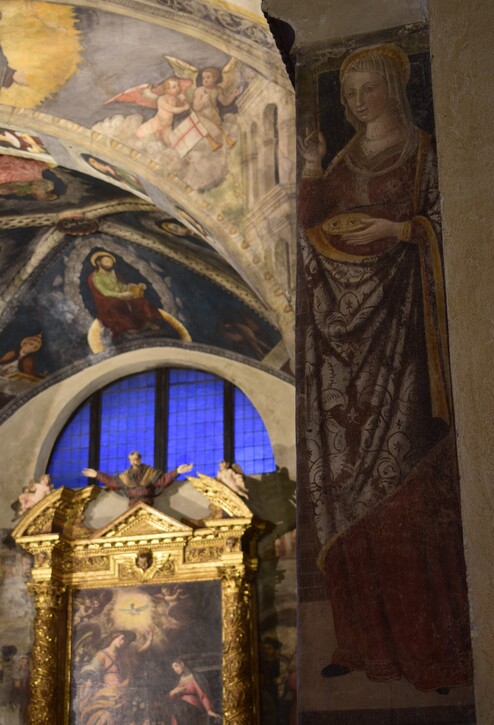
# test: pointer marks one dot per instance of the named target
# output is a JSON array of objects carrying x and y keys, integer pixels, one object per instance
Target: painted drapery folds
[{"x": 379, "y": 461}]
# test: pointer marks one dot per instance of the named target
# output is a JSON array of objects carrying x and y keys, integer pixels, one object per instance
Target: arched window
[
  {"x": 170, "y": 415},
  {"x": 271, "y": 147},
  {"x": 254, "y": 162}
]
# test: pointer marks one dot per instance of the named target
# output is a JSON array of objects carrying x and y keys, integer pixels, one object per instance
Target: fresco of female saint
[
  {"x": 191, "y": 701},
  {"x": 380, "y": 459}
]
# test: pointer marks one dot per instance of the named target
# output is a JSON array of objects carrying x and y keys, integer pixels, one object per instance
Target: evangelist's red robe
[{"x": 120, "y": 316}]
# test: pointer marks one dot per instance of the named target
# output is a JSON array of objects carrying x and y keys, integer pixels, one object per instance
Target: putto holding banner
[{"x": 183, "y": 120}]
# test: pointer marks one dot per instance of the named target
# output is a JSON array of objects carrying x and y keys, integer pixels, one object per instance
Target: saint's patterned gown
[{"x": 378, "y": 454}]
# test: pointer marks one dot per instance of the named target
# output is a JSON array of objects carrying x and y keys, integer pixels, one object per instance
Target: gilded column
[
  {"x": 45, "y": 677},
  {"x": 240, "y": 679}
]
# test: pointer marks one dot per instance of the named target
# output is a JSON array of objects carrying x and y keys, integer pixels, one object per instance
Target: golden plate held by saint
[{"x": 345, "y": 224}]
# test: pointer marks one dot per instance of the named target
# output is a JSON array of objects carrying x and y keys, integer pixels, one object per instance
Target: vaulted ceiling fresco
[{"x": 146, "y": 186}]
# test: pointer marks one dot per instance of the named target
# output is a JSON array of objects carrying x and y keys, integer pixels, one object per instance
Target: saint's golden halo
[
  {"x": 98, "y": 255},
  {"x": 391, "y": 51}
]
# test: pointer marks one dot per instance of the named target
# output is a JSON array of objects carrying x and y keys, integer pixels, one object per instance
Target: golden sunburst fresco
[{"x": 40, "y": 40}]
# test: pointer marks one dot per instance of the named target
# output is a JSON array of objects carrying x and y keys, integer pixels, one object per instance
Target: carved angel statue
[
  {"x": 233, "y": 477},
  {"x": 31, "y": 494},
  {"x": 185, "y": 116}
]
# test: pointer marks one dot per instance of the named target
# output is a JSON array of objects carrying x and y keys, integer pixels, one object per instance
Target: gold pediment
[
  {"x": 220, "y": 495},
  {"x": 140, "y": 520}
]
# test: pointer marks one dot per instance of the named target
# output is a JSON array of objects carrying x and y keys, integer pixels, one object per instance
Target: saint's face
[
  {"x": 134, "y": 459},
  {"x": 178, "y": 667},
  {"x": 366, "y": 95},
  {"x": 30, "y": 345},
  {"x": 106, "y": 263},
  {"x": 119, "y": 641}
]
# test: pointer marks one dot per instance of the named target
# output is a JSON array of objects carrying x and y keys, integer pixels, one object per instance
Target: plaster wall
[
  {"x": 31, "y": 432},
  {"x": 462, "y": 64},
  {"x": 324, "y": 20}
]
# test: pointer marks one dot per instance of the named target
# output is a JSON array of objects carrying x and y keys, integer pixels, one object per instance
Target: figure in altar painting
[
  {"x": 139, "y": 482},
  {"x": 103, "y": 690},
  {"x": 191, "y": 698},
  {"x": 379, "y": 458}
]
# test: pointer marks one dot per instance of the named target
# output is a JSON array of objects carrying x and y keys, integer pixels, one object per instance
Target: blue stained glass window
[
  {"x": 195, "y": 424},
  {"x": 127, "y": 421},
  {"x": 251, "y": 445},
  {"x": 195, "y": 420},
  {"x": 71, "y": 451}
]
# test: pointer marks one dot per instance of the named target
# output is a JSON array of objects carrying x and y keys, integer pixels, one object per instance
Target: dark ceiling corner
[{"x": 284, "y": 37}]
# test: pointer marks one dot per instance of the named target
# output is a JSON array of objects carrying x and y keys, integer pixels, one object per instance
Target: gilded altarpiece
[{"x": 148, "y": 619}]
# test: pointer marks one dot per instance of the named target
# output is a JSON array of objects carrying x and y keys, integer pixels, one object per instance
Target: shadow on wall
[
  {"x": 16, "y": 629},
  {"x": 273, "y": 499}
]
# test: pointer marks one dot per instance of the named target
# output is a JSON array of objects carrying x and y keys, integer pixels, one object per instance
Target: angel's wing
[
  {"x": 231, "y": 66},
  {"x": 142, "y": 95},
  {"x": 182, "y": 69},
  {"x": 237, "y": 468},
  {"x": 232, "y": 75}
]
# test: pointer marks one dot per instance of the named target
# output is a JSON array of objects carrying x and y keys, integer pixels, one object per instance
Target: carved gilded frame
[{"x": 69, "y": 556}]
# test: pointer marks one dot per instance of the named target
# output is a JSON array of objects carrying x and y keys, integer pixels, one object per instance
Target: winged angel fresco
[{"x": 190, "y": 105}]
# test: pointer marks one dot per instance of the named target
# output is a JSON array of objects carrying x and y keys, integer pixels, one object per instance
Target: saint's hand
[
  {"x": 313, "y": 148},
  {"x": 179, "y": 690},
  {"x": 19, "y": 77},
  {"x": 375, "y": 229},
  {"x": 185, "y": 467},
  {"x": 214, "y": 715},
  {"x": 89, "y": 472}
]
